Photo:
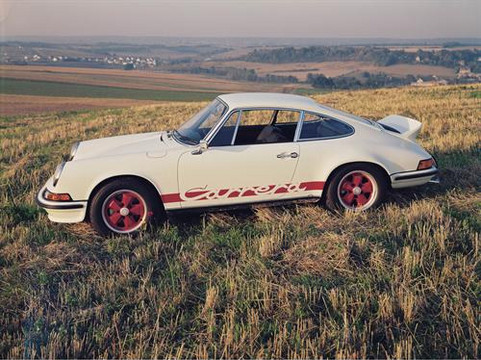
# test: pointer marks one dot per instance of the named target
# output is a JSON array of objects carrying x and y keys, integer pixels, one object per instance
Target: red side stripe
[
  {"x": 305, "y": 186},
  {"x": 168, "y": 198},
  {"x": 312, "y": 185}
]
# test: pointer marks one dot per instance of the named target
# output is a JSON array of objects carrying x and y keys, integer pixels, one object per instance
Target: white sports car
[{"x": 240, "y": 149}]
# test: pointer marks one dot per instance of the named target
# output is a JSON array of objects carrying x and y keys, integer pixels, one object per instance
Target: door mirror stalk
[{"x": 203, "y": 146}]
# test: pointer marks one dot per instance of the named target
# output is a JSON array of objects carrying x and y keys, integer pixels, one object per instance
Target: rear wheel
[
  {"x": 356, "y": 187},
  {"x": 124, "y": 206}
]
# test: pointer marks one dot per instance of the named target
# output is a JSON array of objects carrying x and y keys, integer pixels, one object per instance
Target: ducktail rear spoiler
[{"x": 405, "y": 127}]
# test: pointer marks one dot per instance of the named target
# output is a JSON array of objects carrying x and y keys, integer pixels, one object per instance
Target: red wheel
[
  {"x": 356, "y": 187},
  {"x": 357, "y": 190},
  {"x": 124, "y": 211},
  {"x": 125, "y": 206}
]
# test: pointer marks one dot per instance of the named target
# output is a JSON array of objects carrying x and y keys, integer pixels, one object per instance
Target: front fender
[{"x": 79, "y": 178}]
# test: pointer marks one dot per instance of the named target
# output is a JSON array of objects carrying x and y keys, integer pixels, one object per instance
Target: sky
[{"x": 398, "y": 19}]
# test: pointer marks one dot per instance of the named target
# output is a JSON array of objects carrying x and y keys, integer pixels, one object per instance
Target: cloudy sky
[{"x": 246, "y": 18}]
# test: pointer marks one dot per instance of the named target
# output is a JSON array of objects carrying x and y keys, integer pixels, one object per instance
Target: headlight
[
  {"x": 56, "y": 197},
  {"x": 73, "y": 151},
  {"x": 426, "y": 164},
  {"x": 58, "y": 172}
]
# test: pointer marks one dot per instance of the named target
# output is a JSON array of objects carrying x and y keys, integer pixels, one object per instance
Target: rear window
[
  {"x": 317, "y": 126},
  {"x": 351, "y": 116}
]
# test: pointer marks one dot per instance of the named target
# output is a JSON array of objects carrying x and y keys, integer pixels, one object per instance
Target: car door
[
  {"x": 241, "y": 165},
  {"x": 321, "y": 140}
]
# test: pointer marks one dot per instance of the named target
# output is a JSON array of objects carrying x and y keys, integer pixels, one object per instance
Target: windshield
[{"x": 200, "y": 124}]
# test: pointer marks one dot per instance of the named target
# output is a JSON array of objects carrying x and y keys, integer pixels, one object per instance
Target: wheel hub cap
[
  {"x": 124, "y": 211},
  {"x": 356, "y": 190}
]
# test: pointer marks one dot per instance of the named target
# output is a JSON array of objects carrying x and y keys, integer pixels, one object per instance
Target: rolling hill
[{"x": 35, "y": 89}]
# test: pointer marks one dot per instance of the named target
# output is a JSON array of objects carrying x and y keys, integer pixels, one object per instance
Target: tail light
[{"x": 426, "y": 164}]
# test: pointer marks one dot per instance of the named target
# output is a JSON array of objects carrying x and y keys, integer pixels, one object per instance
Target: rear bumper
[
  {"x": 415, "y": 178},
  {"x": 62, "y": 212}
]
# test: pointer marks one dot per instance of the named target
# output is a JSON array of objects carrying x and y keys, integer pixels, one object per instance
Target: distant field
[
  {"x": 239, "y": 52},
  {"x": 35, "y": 87},
  {"x": 13, "y": 105},
  {"x": 335, "y": 68},
  {"x": 31, "y": 89},
  {"x": 411, "y": 69},
  {"x": 133, "y": 79}
]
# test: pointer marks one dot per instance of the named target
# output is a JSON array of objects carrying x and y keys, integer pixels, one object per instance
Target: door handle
[{"x": 284, "y": 155}]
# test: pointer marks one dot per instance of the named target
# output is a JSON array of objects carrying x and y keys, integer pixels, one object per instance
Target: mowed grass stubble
[{"x": 298, "y": 281}]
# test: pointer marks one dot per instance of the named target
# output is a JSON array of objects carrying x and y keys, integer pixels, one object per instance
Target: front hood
[{"x": 123, "y": 145}]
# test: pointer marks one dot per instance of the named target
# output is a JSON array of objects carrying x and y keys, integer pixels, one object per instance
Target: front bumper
[
  {"x": 62, "y": 212},
  {"x": 415, "y": 178}
]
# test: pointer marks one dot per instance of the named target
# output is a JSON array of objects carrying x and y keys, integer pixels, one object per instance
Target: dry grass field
[
  {"x": 11, "y": 105},
  {"x": 402, "y": 281}
]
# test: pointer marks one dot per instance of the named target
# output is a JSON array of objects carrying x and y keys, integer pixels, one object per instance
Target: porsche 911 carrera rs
[{"x": 241, "y": 149}]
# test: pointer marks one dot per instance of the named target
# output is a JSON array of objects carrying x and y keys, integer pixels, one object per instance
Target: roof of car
[{"x": 270, "y": 100}]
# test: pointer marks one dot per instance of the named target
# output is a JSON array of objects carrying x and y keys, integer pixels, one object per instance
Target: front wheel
[
  {"x": 356, "y": 187},
  {"x": 124, "y": 206}
]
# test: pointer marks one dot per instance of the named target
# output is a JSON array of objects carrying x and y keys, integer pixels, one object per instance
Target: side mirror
[{"x": 203, "y": 146}]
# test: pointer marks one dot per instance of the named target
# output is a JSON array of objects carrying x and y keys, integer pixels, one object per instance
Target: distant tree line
[
  {"x": 366, "y": 80},
  {"x": 378, "y": 55},
  {"x": 451, "y": 58},
  {"x": 238, "y": 74},
  {"x": 452, "y": 44}
]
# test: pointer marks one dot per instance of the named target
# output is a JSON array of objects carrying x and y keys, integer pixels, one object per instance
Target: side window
[
  {"x": 226, "y": 132},
  {"x": 266, "y": 127},
  {"x": 318, "y": 126},
  {"x": 256, "y": 117},
  {"x": 287, "y": 117}
]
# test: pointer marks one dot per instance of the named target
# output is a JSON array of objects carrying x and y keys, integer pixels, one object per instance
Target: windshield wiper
[{"x": 184, "y": 138}]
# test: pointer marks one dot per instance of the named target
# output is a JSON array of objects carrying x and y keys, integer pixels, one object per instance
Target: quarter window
[
  {"x": 286, "y": 117},
  {"x": 317, "y": 126}
]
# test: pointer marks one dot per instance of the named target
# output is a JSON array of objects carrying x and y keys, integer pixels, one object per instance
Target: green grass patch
[{"x": 50, "y": 88}]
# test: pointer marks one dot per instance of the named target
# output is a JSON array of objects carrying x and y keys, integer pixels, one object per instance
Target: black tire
[
  {"x": 340, "y": 197},
  {"x": 107, "y": 208}
]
